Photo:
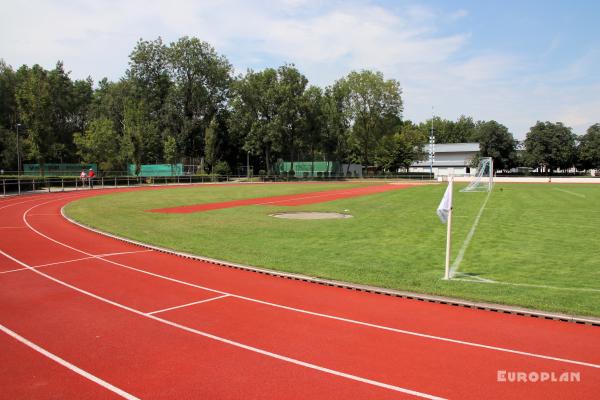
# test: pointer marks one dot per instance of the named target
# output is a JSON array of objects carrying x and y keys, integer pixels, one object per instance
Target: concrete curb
[{"x": 363, "y": 288}]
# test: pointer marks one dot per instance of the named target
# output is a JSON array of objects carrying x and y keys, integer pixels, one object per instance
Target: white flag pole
[{"x": 449, "y": 228}]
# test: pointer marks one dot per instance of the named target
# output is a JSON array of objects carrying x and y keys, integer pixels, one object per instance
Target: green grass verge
[{"x": 540, "y": 241}]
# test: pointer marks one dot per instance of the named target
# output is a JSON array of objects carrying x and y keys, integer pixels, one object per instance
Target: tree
[
  {"x": 34, "y": 100},
  {"x": 589, "y": 148},
  {"x": 140, "y": 134},
  {"x": 402, "y": 149},
  {"x": 291, "y": 85},
  {"x": 170, "y": 151},
  {"x": 201, "y": 81},
  {"x": 497, "y": 142},
  {"x": 312, "y": 122},
  {"x": 99, "y": 144},
  {"x": 336, "y": 124},
  {"x": 549, "y": 146},
  {"x": 8, "y": 117},
  {"x": 374, "y": 106},
  {"x": 254, "y": 113}
]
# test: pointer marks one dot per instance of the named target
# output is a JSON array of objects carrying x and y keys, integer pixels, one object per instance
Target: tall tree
[
  {"x": 549, "y": 146},
  {"x": 497, "y": 142},
  {"x": 313, "y": 124},
  {"x": 254, "y": 112},
  {"x": 99, "y": 144},
  {"x": 374, "y": 106},
  {"x": 402, "y": 149},
  {"x": 291, "y": 85},
  {"x": 589, "y": 148},
  {"x": 201, "y": 80},
  {"x": 8, "y": 117},
  {"x": 336, "y": 124},
  {"x": 34, "y": 100}
]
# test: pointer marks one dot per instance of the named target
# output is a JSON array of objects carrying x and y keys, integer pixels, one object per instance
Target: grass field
[{"x": 536, "y": 245}]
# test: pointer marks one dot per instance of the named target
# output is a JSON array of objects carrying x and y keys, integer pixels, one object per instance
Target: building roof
[{"x": 454, "y": 147}]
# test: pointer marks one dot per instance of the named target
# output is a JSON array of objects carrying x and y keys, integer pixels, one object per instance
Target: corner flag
[
  {"x": 444, "y": 211},
  {"x": 446, "y": 204}
]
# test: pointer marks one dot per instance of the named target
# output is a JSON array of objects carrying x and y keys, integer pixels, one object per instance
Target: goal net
[{"x": 484, "y": 178}]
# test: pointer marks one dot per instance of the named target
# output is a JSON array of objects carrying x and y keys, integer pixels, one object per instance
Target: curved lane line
[
  {"x": 231, "y": 342},
  {"x": 333, "y": 317}
]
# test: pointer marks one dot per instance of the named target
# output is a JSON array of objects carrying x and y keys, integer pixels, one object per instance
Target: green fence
[
  {"x": 57, "y": 169},
  {"x": 148, "y": 170},
  {"x": 309, "y": 169}
]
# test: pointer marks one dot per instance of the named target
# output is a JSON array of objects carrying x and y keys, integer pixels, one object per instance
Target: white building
[{"x": 455, "y": 156}]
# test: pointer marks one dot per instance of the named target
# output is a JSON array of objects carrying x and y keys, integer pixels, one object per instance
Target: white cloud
[{"x": 325, "y": 39}]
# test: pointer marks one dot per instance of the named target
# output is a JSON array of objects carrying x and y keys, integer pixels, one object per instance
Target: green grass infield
[{"x": 534, "y": 245}]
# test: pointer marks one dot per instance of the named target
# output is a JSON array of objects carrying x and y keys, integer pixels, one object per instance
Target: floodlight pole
[
  {"x": 18, "y": 162},
  {"x": 449, "y": 228},
  {"x": 431, "y": 147}
]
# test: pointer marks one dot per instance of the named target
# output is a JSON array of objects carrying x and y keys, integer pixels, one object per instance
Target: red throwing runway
[{"x": 84, "y": 316}]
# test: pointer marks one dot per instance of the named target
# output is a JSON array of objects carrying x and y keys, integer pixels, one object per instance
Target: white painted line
[
  {"x": 234, "y": 343},
  {"x": 351, "y": 321},
  {"x": 463, "y": 249},
  {"x": 188, "y": 304},
  {"x": 571, "y": 193},
  {"x": 68, "y": 365},
  {"x": 96, "y": 256}
]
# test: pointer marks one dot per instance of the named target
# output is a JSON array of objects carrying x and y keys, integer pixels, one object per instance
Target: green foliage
[
  {"x": 549, "y": 146},
  {"x": 497, "y": 142},
  {"x": 589, "y": 148},
  {"x": 402, "y": 149},
  {"x": 221, "y": 168},
  {"x": 374, "y": 105},
  {"x": 185, "y": 91},
  {"x": 99, "y": 144}
]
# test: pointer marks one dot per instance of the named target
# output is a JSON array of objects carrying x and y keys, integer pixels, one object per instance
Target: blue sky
[{"x": 513, "y": 61}]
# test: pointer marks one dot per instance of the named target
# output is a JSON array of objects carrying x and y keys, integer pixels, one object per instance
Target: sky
[{"x": 515, "y": 62}]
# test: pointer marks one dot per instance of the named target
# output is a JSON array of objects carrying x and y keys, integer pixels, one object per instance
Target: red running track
[
  {"x": 287, "y": 200},
  {"x": 86, "y": 317}
]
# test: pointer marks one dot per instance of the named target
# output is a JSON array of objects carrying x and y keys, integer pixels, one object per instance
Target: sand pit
[{"x": 310, "y": 215}]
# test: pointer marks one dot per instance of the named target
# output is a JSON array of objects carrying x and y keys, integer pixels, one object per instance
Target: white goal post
[{"x": 483, "y": 181}]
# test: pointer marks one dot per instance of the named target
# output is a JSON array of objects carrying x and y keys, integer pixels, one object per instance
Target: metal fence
[{"x": 16, "y": 185}]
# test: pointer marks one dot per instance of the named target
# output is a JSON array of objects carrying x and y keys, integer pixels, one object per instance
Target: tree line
[{"x": 181, "y": 102}]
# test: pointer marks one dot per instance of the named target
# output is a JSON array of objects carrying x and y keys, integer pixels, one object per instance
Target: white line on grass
[
  {"x": 299, "y": 310},
  {"x": 463, "y": 249},
  {"x": 68, "y": 365},
  {"x": 234, "y": 343},
  {"x": 188, "y": 304},
  {"x": 571, "y": 193}
]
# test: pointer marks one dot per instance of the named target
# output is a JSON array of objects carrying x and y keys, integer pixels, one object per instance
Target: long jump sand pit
[{"x": 310, "y": 215}]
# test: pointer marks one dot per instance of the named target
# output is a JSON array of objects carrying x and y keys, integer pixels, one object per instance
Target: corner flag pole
[{"x": 449, "y": 228}]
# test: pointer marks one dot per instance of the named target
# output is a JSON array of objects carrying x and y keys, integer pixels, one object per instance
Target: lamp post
[{"x": 18, "y": 153}]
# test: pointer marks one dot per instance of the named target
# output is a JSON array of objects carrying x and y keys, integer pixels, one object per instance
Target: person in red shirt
[{"x": 91, "y": 175}]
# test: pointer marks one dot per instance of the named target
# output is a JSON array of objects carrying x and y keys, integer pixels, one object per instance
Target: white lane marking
[
  {"x": 571, "y": 193},
  {"x": 188, "y": 304},
  {"x": 530, "y": 285},
  {"x": 232, "y": 342},
  {"x": 68, "y": 365},
  {"x": 96, "y": 256},
  {"x": 463, "y": 249},
  {"x": 351, "y": 321}
]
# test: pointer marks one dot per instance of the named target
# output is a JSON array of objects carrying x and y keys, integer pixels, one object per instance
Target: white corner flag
[
  {"x": 445, "y": 206},
  {"x": 444, "y": 211}
]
